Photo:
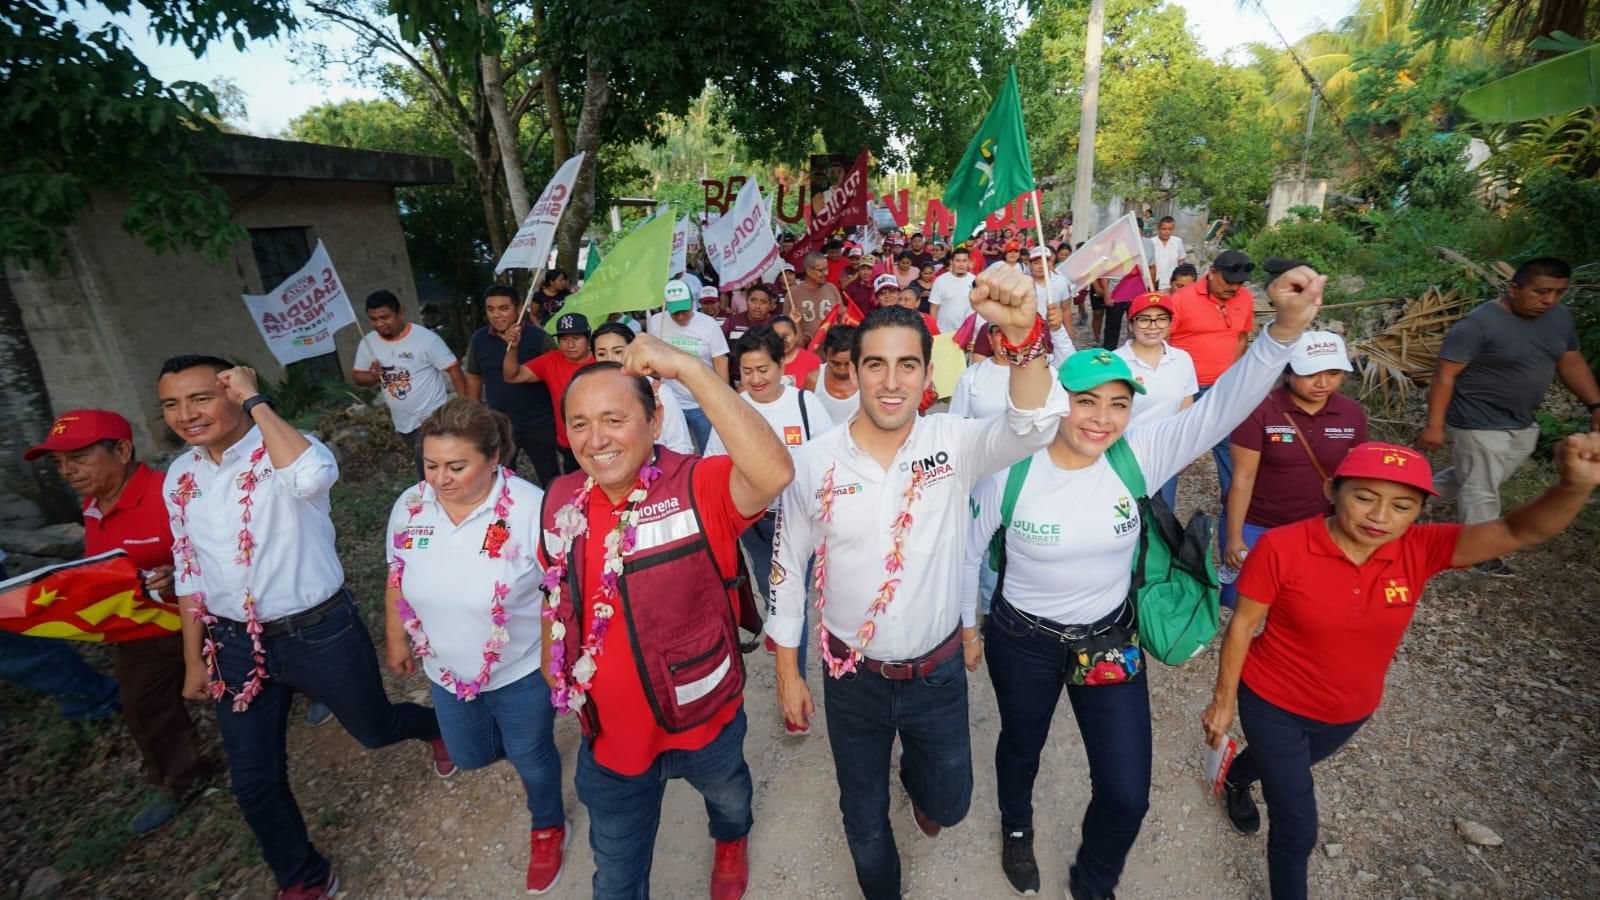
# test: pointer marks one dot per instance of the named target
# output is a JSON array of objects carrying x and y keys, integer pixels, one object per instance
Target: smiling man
[
  {"x": 882, "y": 503},
  {"x": 553, "y": 368}
]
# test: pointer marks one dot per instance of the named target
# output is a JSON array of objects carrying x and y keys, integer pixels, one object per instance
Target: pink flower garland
[
  {"x": 572, "y": 523},
  {"x": 465, "y": 691},
  {"x": 893, "y": 564}
]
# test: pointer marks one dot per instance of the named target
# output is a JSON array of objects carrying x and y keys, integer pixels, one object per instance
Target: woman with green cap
[{"x": 1060, "y": 613}]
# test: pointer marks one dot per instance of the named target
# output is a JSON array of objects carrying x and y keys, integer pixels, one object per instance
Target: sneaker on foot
[
  {"x": 317, "y": 714},
  {"x": 545, "y": 857},
  {"x": 1497, "y": 568},
  {"x": 1017, "y": 861},
  {"x": 793, "y": 730},
  {"x": 929, "y": 827},
  {"x": 160, "y": 809},
  {"x": 730, "y": 870},
  {"x": 443, "y": 766},
  {"x": 327, "y": 890},
  {"x": 1241, "y": 808}
]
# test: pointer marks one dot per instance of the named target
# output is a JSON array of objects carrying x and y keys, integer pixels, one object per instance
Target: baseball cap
[
  {"x": 1388, "y": 462},
  {"x": 1319, "y": 351},
  {"x": 1013, "y": 245},
  {"x": 1234, "y": 265},
  {"x": 883, "y": 281},
  {"x": 572, "y": 323},
  {"x": 1091, "y": 368},
  {"x": 855, "y": 251},
  {"x": 679, "y": 297},
  {"x": 1277, "y": 265},
  {"x": 1040, "y": 252},
  {"x": 1150, "y": 300},
  {"x": 78, "y": 429},
  {"x": 708, "y": 292}
]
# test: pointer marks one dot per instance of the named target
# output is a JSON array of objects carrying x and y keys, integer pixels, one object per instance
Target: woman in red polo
[{"x": 1336, "y": 595}]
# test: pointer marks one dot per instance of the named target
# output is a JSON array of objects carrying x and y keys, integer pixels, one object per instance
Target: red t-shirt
[
  {"x": 836, "y": 270},
  {"x": 556, "y": 371},
  {"x": 1287, "y": 487},
  {"x": 1210, "y": 333},
  {"x": 137, "y": 523},
  {"x": 630, "y": 738},
  {"x": 804, "y": 363},
  {"x": 1334, "y": 625}
]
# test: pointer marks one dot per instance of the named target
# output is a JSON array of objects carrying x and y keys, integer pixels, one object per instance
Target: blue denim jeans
[
  {"x": 51, "y": 666},
  {"x": 1252, "y": 533},
  {"x": 1169, "y": 493},
  {"x": 1283, "y": 748},
  {"x": 334, "y": 663},
  {"x": 757, "y": 541},
  {"x": 516, "y": 723},
  {"x": 1029, "y": 668},
  {"x": 699, "y": 427},
  {"x": 865, "y": 712},
  {"x": 625, "y": 810},
  {"x": 1222, "y": 456}
]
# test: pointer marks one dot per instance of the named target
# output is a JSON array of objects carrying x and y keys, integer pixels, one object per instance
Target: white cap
[
  {"x": 1319, "y": 351},
  {"x": 884, "y": 281},
  {"x": 708, "y": 292},
  {"x": 1039, "y": 252}
]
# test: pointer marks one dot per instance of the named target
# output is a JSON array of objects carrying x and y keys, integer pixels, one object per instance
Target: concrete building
[{"x": 95, "y": 332}]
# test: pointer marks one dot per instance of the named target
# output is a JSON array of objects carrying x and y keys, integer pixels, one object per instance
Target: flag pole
[
  {"x": 538, "y": 276},
  {"x": 1049, "y": 263}
]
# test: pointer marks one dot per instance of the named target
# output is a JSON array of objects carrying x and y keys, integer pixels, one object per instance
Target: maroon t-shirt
[{"x": 1287, "y": 487}]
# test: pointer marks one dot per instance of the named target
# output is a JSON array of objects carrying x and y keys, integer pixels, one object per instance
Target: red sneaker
[
  {"x": 545, "y": 857},
  {"x": 794, "y": 730},
  {"x": 443, "y": 766},
  {"x": 730, "y": 872},
  {"x": 325, "y": 891}
]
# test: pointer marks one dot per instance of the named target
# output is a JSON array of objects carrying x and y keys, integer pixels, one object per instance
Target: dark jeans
[
  {"x": 335, "y": 664},
  {"x": 625, "y": 810},
  {"x": 413, "y": 440},
  {"x": 864, "y": 713},
  {"x": 51, "y": 666},
  {"x": 1029, "y": 669},
  {"x": 539, "y": 444},
  {"x": 1283, "y": 748},
  {"x": 1111, "y": 336},
  {"x": 150, "y": 675},
  {"x": 515, "y": 722},
  {"x": 699, "y": 427},
  {"x": 757, "y": 541}
]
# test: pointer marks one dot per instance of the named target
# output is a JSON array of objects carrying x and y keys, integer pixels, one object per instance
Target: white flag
[
  {"x": 530, "y": 249},
  {"x": 1107, "y": 253},
  {"x": 680, "y": 247},
  {"x": 740, "y": 243},
  {"x": 299, "y": 317}
]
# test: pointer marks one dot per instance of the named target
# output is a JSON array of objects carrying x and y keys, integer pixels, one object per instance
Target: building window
[{"x": 280, "y": 252}]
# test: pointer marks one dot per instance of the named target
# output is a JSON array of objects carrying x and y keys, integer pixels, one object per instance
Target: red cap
[
  {"x": 1388, "y": 462},
  {"x": 79, "y": 428},
  {"x": 1013, "y": 245},
  {"x": 1150, "y": 300}
]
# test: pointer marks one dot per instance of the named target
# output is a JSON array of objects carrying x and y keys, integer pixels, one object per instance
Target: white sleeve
[
  {"x": 313, "y": 472},
  {"x": 985, "y": 519},
  {"x": 1165, "y": 446},
  {"x": 1183, "y": 251},
  {"x": 1060, "y": 346},
  {"x": 715, "y": 339},
  {"x": 714, "y": 445},
  {"x": 1191, "y": 380},
  {"x": 989, "y": 445},
  {"x": 674, "y": 427},
  {"x": 961, "y": 396},
  {"x": 363, "y": 354},
  {"x": 397, "y": 522},
  {"x": 439, "y": 353},
  {"x": 792, "y": 546}
]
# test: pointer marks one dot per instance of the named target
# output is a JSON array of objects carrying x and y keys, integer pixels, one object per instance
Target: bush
[{"x": 1325, "y": 246}]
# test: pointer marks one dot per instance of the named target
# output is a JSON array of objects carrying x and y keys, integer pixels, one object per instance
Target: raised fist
[{"x": 1004, "y": 296}]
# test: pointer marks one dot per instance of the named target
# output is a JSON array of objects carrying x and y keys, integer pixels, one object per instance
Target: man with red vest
[{"x": 636, "y": 549}]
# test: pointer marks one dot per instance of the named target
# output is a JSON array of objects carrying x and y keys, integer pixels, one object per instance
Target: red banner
[
  {"x": 100, "y": 598},
  {"x": 845, "y": 206},
  {"x": 846, "y": 313}
]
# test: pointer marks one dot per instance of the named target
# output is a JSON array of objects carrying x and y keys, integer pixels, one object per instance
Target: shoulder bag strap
[
  {"x": 805, "y": 420},
  {"x": 1310, "y": 454}
]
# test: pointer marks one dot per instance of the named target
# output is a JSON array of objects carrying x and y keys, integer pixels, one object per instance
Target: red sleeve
[
  {"x": 718, "y": 515},
  {"x": 1431, "y": 547},
  {"x": 1262, "y": 575},
  {"x": 1248, "y": 434},
  {"x": 540, "y": 365}
]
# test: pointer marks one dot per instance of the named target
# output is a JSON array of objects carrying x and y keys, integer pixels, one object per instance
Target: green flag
[
  {"x": 996, "y": 167},
  {"x": 592, "y": 262},
  {"x": 631, "y": 277}
]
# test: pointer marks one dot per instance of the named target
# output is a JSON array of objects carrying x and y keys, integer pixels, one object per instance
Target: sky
[{"x": 276, "y": 91}]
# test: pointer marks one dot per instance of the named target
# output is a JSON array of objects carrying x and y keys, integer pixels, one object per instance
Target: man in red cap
[{"x": 123, "y": 510}]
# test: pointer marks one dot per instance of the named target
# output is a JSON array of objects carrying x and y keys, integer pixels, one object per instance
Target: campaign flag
[
  {"x": 592, "y": 260},
  {"x": 299, "y": 317},
  {"x": 99, "y": 598},
  {"x": 680, "y": 246},
  {"x": 631, "y": 277},
  {"x": 948, "y": 362},
  {"x": 1108, "y": 253},
  {"x": 846, "y": 313},
  {"x": 740, "y": 243},
  {"x": 530, "y": 248},
  {"x": 844, "y": 206},
  {"x": 995, "y": 168}
]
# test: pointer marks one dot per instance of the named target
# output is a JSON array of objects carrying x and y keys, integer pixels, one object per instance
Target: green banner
[
  {"x": 996, "y": 167},
  {"x": 633, "y": 276}
]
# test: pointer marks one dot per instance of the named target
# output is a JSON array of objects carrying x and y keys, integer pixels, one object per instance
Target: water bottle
[{"x": 1226, "y": 573}]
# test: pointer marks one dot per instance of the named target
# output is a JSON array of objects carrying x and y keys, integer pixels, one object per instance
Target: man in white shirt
[
  {"x": 698, "y": 335},
  {"x": 949, "y": 303},
  {"x": 410, "y": 363},
  {"x": 836, "y": 390},
  {"x": 1050, "y": 290},
  {"x": 265, "y": 610},
  {"x": 1168, "y": 250},
  {"x": 881, "y": 503}
]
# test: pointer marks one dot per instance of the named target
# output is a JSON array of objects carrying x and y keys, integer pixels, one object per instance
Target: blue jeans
[
  {"x": 1283, "y": 748},
  {"x": 334, "y": 663},
  {"x": 1029, "y": 669},
  {"x": 1223, "y": 458},
  {"x": 515, "y": 723},
  {"x": 757, "y": 541},
  {"x": 1169, "y": 493},
  {"x": 699, "y": 427},
  {"x": 51, "y": 666},
  {"x": 988, "y": 580},
  {"x": 625, "y": 810},
  {"x": 864, "y": 713},
  {"x": 1252, "y": 533}
]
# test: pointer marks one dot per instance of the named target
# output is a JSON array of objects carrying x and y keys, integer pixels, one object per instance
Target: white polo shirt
[
  {"x": 953, "y": 454},
  {"x": 294, "y": 566},
  {"x": 1166, "y": 257},
  {"x": 449, "y": 578},
  {"x": 1171, "y": 382},
  {"x": 952, "y": 293}
]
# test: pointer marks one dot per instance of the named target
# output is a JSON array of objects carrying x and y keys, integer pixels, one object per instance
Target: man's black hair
[
  {"x": 499, "y": 290},
  {"x": 641, "y": 385},
  {"x": 1184, "y": 269},
  {"x": 758, "y": 339},
  {"x": 1541, "y": 267},
  {"x": 380, "y": 298},
  {"x": 1166, "y": 220},
  {"x": 892, "y": 317},
  {"x": 839, "y": 337},
  {"x": 183, "y": 362},
  {"x": 551, "y": 275}
]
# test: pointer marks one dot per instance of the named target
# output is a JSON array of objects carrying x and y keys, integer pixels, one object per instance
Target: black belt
[
  {"x": 921, "y": 667},
  {"x": 299, "y": 621},
  {"x": 1121, "y": 617}
]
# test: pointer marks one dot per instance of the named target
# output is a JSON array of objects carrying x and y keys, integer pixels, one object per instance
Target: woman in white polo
[
  {"x": 464, "y": 589},
  {"x": 1167, "y": 372}
]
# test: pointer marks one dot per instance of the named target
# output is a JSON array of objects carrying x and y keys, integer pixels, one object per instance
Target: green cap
[
  {"x": 679, "y": 297},
  {"x": 1091, "y": 368}
]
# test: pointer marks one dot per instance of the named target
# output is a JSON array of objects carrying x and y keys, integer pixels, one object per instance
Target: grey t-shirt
[{"x": 1510, "y": 362}]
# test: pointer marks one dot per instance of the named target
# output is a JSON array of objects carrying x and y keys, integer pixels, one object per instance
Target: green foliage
[
  {"x": 82, "y": 114},
  {"x": 1326, "y": 246}
]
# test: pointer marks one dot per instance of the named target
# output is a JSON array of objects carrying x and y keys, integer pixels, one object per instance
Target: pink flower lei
[
  {"x": 465, "y": 691},
  {"x": 893, "y": 563},
  {"x": 572, "y": 683}
]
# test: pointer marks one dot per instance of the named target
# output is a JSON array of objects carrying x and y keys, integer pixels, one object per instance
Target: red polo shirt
[
  {"x": 137, "y": 522},
  {"x": 1287, "y": 487},
  {"x": 1334, "y": 625},
  {"x": 630, "y": 739},
  {"x": 556, "y": 371},
  {"x": 1210, "y": 332}
]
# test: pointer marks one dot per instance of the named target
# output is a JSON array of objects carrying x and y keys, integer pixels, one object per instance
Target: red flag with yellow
[{"x": 99, "y": 598}]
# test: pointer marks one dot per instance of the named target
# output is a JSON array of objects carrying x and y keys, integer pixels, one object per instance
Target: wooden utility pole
[{"x": 1083, "y": 216}]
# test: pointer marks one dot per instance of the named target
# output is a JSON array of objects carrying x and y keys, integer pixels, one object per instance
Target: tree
[{"x": 80, "y": 113}]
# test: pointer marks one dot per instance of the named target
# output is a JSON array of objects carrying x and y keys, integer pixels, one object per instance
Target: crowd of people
[{"x": 768, "y": 448}]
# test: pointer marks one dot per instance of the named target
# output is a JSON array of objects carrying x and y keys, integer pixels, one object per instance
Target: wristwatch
[{"x": 256, "y": 401}]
